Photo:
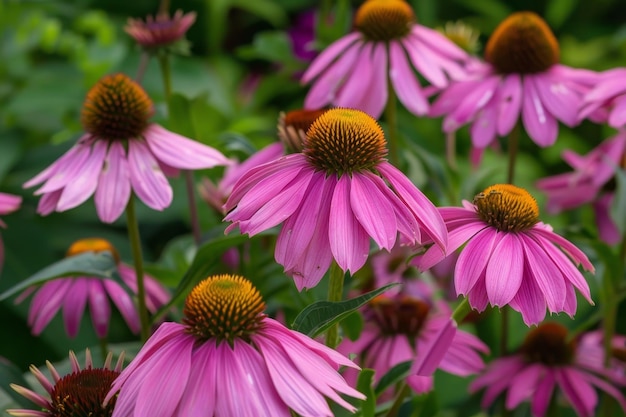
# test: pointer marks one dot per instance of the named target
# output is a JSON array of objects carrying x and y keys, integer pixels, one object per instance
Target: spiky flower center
[
  {"x": 92, "y": 244},
  {"x": 507, "y": 208},
  {"x": 522, "y": 44},
  {"x": 292, "y": 127},
  {"x": 548, "y": 344},
  {"x": 405, "y": 315},
  {"x": 384, "y": 20},
  {"x": 345, "y": 141},
  {"x": 80, "y": 394},
  {"x": 223, "y": 307},
  {"x": 116, "y": 108}
]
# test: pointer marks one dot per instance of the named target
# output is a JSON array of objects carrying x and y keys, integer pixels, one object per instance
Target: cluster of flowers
[{"x": 330, "y": 188}]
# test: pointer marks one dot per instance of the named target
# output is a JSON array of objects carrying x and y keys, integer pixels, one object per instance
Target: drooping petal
[
  {"x": 199, "y": 397},
  {"x": 373, "y": 210},
  {"x": 530, "y": 302},
  {"x": 74, "y": 305},
  {"x": 113, "y": 189},
  {"x": 543, "y": 394},
  {"x": 59, "y": 170},
  {"x": 546, "y": 274},
  {"x": 540, "y": 125},
  {"x": 404, "y": 81},
  {"x": 473, "y": 260},
  {"x": 505, "y": 270},
  {"x": 578, "y": 391},
  {"x": 523, "y": 385},
  {"x": 46, "y": 302},
  {"x": 323, "y": 60},
  {"x": 434, "y": 349},
  {"x": 354, "y": 89},
  {"x": 558, "y": 98},
  {"x": 375, "y": 98},
  {"x": 146, "y": 177},
  {"x": 124, "y": 304},
  {"x": 510, "y": 103},
  {"x": 99, "y": 308}
]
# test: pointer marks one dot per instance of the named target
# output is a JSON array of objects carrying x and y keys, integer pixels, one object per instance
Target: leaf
[
  {"x": 319, "y": 316},
  {"x": 364, "y": 386},
  {"x": 101, "y": 264},
  {"x": 352, "y": 325},
  {"x": 393, "y": 376},
  {"x": 11, "y": 374}
]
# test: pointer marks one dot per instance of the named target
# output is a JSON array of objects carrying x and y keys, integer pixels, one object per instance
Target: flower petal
[
  {"x": 505, "y": 269},
  {"x": 373, "y": 210},
  {"x": 113, "y": 185},
  {"x": 146, "y": 177},
  {"x": 540, "y": 125},
  {"x": 405, "y": 82}
]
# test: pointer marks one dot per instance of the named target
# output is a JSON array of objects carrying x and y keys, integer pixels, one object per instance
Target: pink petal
[
  {"x": 113, "y": 185},
  {"x": 540, "y": 125},
  {"x": 577, "y": 390},
  {"x": 483, "y": 130},
  {"x": 373, "y": 211},
  {"x": 543, "y": 394},
  {"x": 69, "y": 170},
  {"x": 433, "y": 350},
  {"x": 475, "y": 100},
  {"x": 353, "y": 92},
  {"x": 473, "y": 260},
  {"x": 74, "y": 305},
  {"x": 375, "y": 98},
  {"x": 558, "y": 98},
  {"x": 146, "y": 177},
  {"x": 124, "y": 304},
  {"x": 510, "y": 103},
  {"x": 530, "y": 302},
  {"x": 405, "y": 82},
  {"x": 505, "y": 269},
  {"x": 325, "y": 59},
  {"x": 72, "y": 157},
  {"x": 199, "y": 397},
  {"x": 425, "y": 61},
  {"x": 46, "y": 302},
  {"x": 48, "y": 202},
  {"x": 99, "y": 307},
  {"x": 438, "y": 42},
  {"x": 546, "y": 274},
  {"x": 523, "y": 385}
]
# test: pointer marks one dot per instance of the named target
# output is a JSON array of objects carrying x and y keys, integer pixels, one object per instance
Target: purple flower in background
[
  {"x": 387, "y": 45},
  {"x": 606, "y": 101},
  {"x": 71, "y": 295},
  {"x": 121, "y": 153},
  {"x": 302, "y": 36},
  {"x": 547, "y": 364},
  {"x": 8, "y": 204},
  {"x": 230, "y": 359},
  {"x": 161, "y": 30}
]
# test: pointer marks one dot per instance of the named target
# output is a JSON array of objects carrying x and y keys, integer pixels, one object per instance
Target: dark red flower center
[
  {"x": 548, "y": 344},
  {"x": 403, "y": 315},
  {"x": 384, "y": 20},
  {"x": 522, "y": 44},
  {"x": 292, "y": 127},
  {"x": 223, "y": 307},
  {"x": 507, "y": 208},
  {"x": 80, "y": 394},
  {"x": 116, "y": 108}
]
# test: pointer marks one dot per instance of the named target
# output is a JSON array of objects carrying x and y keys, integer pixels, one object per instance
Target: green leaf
[
  {"x": 206, "y": 259},
  {"x": 319, "y": 316},
  {"x": 352, "y": 325},
  {"x": 101, "y": 264},
  {"x": 393, "y": 376},
  {"x": 11, "y": 374},
  {"x": 265, "y": 9},
  {"x": 364, "y": 385},
  {"x": 557, "y": 12}
]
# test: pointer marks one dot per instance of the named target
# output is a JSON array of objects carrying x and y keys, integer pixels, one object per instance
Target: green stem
[
  {"x": 144, "y": 59},
  {"x": 335, "y": 293},
  {"x": 391, "y": 117},
  {"x": 189, "y": 182},
  {"x": 513, "y": 145},
  {"x": 504, "y": 330},
  {"x": 451, "y": 149},
  {"x": 135, "y": 245},
  {"x": 397, "y": 403},
  {"x": 461, "y": 311},
  {"x": 104, "y": 348}
]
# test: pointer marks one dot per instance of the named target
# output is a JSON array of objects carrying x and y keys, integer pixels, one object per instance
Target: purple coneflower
[
  {"x": 387, "y": 46},
  {"x": 332, "y": 198},
  {"x": 72, "y": 294},
  {"x": 229, "y": 359},
  {"x": 606, "y": 101},
  {"x": 547, "y": 361},
  {"x": 511, "y": 257},
  {"x": 79, "y": 393},
  {"x": 120, "y": 153},
  {"x": 8, "y": 204},
  {"x": 161, "y": 30},
  {"x": 521, "y": 77},
  {"x": 590, "y": 182}
]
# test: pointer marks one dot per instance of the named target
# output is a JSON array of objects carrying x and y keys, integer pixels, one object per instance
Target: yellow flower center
[
  {"x": 384, "y": 20},
  {"x": 80, "y": 394},
  {"x": 345, "y": 141},
  {"x": 292, "y": 127},
  {"x": 394, "y": 316},
  {"x": 116, "y": 108},
  {"x": 223, "y": 307},
  {"x": 523, "y": 44},
  {"x": 507, "y": 208},
  {"x": 92, "y": 244},
  {"x": 548, "y": 344}
]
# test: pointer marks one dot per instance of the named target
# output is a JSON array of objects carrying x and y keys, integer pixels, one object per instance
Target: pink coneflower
[
  {"x": 161, "y": 30},
  {"x": 521, "y": 77},
  {"x": 332, "y": 198},
  {"x": 79, "y": 393},
  {"x": 590, "y": 182},
  {"x": 387, "y": 45},
  {"x": 547, "y": 361},
  {"x": 402, "y": 327},
  {"x": 511, "y": 257},
  {"x": 8, "y": 204},
  {"x": 72, "y": 294},
  {"x": 120, "y": 153},
  {"x": 230, "y": 359},
  {"x": 606, "y": 101}
]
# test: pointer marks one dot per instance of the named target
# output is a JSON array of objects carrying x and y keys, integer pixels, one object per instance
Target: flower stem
[
  {"x": 513, "y": 145},
  {"x": 451, "y": 149},
  {"x": 189, "y": 182},
  {"x": 144, "y": 59},
  {"x": 135, "y": 245},
  {"x": 335, "y": 293},
  {"x": 391, "y": 117},
  {"x": 104, "y": 348},
  {"x": 461, "y": 311},
  {"x": 397, "y": 403}
]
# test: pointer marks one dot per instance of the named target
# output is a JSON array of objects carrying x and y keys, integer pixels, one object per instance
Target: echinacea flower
[
  {"x": 548, "y": 362},
  {"x": 387, "y": 46},
  {"x": 521, "y": 77},
  {"x": 589, "y": 182},
  {"x": 511, "y": 257},
  {"x": 121, "y": 153},
  {"x": 331, "y": 198},
  {"x": 606, "y": 101},
  {"x": 72, "y": 294},
  {"x": 79, "y": 393},
  {"x": 229, "y": 359},
  {"x": 159, "y": 31},
  {"x": 8, "y": 204},
  {"x": 402, "y": 327}
]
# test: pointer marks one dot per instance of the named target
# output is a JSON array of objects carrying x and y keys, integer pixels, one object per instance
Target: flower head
[
  {"x": 227, "y": 347},
  {"x": 591, "y": 181},
  {"x": 161, "y": 30},
  {"x": 293, "y": 125},
  {"x": 8, "y": 204},
  {"x": 121, "y": 152},
  {"x": 72, "y": 294},
  {"x": 353, "y": 71},
  {"x": 79, "y": 393},
  {"x": 511, "y": 257},
  {"x": 547, "y": 361},
  {"x": 606, "y": 101},
  {"x": 332, "y": 197},
  {"x": 521, "y": 77}
]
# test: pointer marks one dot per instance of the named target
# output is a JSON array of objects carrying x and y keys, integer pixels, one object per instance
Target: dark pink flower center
[
  {"x": 548, "y": 344},
  {"x": 80, "y": 394},
  {"x": 405, "y": 315}
]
